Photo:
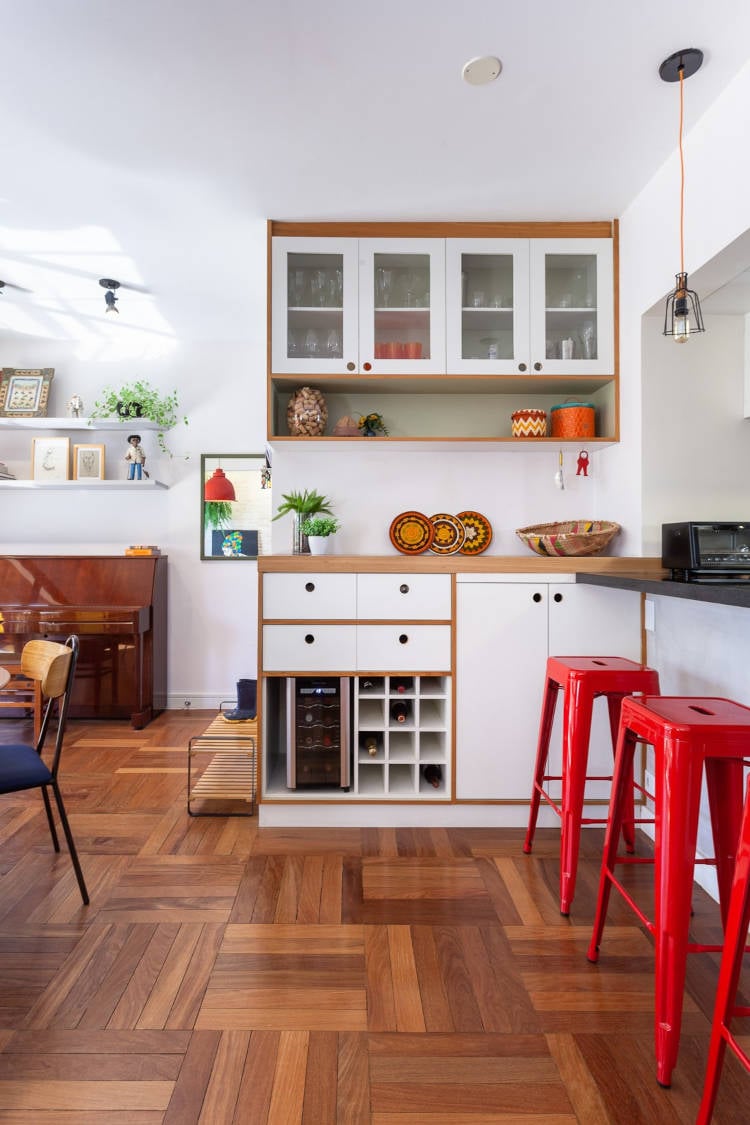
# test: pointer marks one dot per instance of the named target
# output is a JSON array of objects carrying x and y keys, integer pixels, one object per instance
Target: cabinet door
[
  {"x": 402, "y": 306},
  {"x": 591, "y": 621},
  {"x": 501, "y": 650},
  {"x": 404, "y": 648},
  {"x": 315, "y": 290},
  {"x": 404, "y": 597},
  {"x": 572, "y": 306},
  {"x": 487, "y": 306},
  {"x": 309, "y": 648}
]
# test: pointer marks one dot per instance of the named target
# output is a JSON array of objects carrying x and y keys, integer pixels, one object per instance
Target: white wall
[{"x": 221, "y": 386}]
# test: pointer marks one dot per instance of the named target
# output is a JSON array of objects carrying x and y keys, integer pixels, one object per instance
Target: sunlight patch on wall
[{"x": 53, "y": 292}]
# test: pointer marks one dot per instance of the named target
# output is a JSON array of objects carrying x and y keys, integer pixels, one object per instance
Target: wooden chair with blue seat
[{"x": 52, "y": 666}]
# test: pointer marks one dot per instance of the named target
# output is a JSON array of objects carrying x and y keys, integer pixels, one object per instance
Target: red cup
[
  {"x": 414, "y": 349},
  {"x": 393, "y": 349}
]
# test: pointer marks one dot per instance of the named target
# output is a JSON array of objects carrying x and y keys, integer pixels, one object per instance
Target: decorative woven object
[
  {"x": 528, "y": 423},
  {"x": 572, "y": 537},
  {"x": 573, "y": 420}
]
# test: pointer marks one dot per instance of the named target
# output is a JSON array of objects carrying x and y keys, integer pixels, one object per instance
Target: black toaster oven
[{"x": 706, "y": 552}]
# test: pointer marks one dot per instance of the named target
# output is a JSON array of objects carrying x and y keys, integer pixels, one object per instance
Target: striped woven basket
[
  {"x": 528, "y": 423},
  {"x": 574, "y": 537}
]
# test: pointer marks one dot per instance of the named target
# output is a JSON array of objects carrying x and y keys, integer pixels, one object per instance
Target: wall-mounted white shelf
[
  {"x": 91, "y": 485},
  {"x": 76, "y": 424}
]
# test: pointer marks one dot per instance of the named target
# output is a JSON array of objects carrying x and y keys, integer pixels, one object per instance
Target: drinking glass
[
  {"x": 384, "y": 287},
  {"x": 333, "y": 344},
  {"x": 312, "y": 344}
]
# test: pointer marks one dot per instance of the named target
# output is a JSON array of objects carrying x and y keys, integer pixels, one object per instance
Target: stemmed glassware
[{"x": 384, "y": 287}]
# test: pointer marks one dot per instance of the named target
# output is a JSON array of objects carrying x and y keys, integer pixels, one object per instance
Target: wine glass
[{"x": 384, "y": 287}]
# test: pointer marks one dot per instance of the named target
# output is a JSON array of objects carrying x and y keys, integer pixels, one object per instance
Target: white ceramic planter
[{"x": 320, "y": 544}]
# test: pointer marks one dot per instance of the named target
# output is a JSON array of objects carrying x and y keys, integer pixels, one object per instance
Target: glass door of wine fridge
[{"x": 318, "y": 726}]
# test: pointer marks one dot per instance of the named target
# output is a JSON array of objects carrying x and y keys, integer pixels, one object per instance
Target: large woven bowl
[{"x": 573, "y": 537}]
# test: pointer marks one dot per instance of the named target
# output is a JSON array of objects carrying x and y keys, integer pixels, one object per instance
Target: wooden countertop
[{"x": 464, "y": 564}]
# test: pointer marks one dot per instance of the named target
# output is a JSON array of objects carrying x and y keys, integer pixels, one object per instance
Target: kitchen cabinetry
[
  {"x": 505, "y": 630},
  {"x": 445, "y": 329},
  {"x": 64, "y": 425},
  {"x": 383, "y": 632}
]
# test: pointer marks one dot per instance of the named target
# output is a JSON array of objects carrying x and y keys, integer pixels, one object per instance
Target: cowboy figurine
[{"x": 136, "y": 458}]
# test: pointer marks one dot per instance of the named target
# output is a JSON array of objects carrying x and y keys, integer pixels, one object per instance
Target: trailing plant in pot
[
  {"x": 302, "y": 505},
  {"x": 217, "y": 513},
  {"x": 319, "y": 530},
  {"x": 140, "y": 400}
]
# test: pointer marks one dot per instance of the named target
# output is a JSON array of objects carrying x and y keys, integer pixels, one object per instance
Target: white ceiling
[{"x": 144, "y": 140}]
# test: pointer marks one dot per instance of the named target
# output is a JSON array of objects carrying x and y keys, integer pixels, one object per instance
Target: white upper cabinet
[
  {"x": 572, "y": 306},
  {"x": 349, "y": 306},
  {"x": 539, "y": 306}
]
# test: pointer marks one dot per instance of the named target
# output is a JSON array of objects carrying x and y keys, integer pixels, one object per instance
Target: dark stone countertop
[{"x": 737, "y": 593}]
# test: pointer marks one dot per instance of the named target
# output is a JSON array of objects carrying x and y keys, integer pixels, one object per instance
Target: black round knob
[
  {"x": 536, "y": 597},
  {"x": 522, "y": 367},
  {"x": 558, "y": 597},
  {"x": 309, "y": 586},
  {"x": 351, "y": 367},
  {"x": 404, "y": 588},
  {"x": 537, "y": 367},
  {"x": 402, "y": 640},
  {"x": 309, "y": 638}
]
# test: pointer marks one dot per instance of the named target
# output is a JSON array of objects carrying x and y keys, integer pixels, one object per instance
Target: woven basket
[
  {"x": 528, "y": 423},
  {"x": 574, "y": 537},
  {"x": 573, "y": 420}
]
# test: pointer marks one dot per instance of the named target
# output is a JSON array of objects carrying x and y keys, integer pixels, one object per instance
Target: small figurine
[
  {"x": 372, "y": 424},
  {"x": 265, "y": 478},
  {"x": 583, "y": 463},
  {"x": 136, "y": 458},
  {"x": 75, "y": 407}
]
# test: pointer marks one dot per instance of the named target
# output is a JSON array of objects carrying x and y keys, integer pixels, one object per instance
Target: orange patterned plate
[
  {"x": 478, "y": 533},
  {"x": 449, "y": 534},
  {"x": 411, "y": 533}
]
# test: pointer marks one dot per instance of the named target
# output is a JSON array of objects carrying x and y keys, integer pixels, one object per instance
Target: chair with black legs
[{"x": 53, "y": 666}]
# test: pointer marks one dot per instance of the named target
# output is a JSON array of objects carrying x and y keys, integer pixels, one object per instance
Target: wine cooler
[{"x": 318, "y": 725}]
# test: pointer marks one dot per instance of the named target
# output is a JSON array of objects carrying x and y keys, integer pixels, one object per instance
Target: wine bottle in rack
[
  {"x": 400, "y": 686},
  {"x": 433, "y": 774},
  {"x": 400, "y": 710},
  {"x": 371, "y": 745}
]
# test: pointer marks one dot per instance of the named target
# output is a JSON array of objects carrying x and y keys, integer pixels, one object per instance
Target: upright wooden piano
[{"x": 116, "y": 604}]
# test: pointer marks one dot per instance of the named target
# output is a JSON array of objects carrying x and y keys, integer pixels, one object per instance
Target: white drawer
[
  {"x": 309, "y": 648},
  {"x": 406, "y": 597},
  {"x": 404, "y": 648},
  {"x": 309, "y": 596}
]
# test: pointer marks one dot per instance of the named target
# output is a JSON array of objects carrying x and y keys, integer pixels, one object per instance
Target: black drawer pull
[
  {"x": 558, "y": 597},
  {"x": 403, "y": 639},
  {"x": 309, "y": 586},
  {"x": 536, "y": 597},
  {"x": 309, "y": 638},
  {"x": 404, "y": 588}
]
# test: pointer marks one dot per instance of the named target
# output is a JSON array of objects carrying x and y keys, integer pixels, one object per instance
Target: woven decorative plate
[
  {"x": 411, "y": 533},
  {"x": 478, "y": 533},
  {"x": 449, "y": 534}
]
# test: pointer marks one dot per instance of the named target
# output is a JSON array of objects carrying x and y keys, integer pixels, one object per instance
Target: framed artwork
[
  {"x": 24, "y": 392},
  {"x": 88, "y": 462},
  {"x": 49, "y": 459},
  {"x": 238, "y": 528}
]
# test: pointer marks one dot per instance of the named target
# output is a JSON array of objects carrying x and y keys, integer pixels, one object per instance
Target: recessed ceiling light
[{"x": 480, "y": 71}]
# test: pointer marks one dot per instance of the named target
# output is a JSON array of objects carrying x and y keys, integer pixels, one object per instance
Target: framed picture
[
  {"x": 49, "y": 458},
  {"x": 236, "y": 508},
  {"x": 24, "y": 393},
  {"x": 88, "y": 462}
]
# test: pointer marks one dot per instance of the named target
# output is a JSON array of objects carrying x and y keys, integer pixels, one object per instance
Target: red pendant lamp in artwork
[{"x": 219, "y": 487}]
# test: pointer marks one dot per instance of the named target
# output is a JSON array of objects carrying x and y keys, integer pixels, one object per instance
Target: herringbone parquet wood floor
[{"x": 229, "y": 974}]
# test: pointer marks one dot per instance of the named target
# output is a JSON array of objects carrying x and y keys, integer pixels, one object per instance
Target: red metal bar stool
[
  {"x": 729, "y": 974},
  {"x": 689, "y": 736},
  {"x": 583, "y": 679}
]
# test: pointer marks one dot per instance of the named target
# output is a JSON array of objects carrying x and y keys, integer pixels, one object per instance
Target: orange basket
[{"x": 573, "y": 420}]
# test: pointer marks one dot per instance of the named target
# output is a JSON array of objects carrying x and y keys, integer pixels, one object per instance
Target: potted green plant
[
  {"x": 140, "y": 400},
  {"x": 302, "y": 505},
  {"x": 216, "y": 513},
  {"x": 319, "y": 530}
]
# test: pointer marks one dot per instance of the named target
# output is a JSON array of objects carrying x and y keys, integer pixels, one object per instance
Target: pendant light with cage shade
[{"x": 682, "y": 316}]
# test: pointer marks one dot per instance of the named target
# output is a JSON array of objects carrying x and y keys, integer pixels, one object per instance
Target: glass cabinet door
[
  {"x": 402, "y": 306},
  {"x": 572, "y": 329},
  {"x": 487, "y": 306},
  {"x": 314, "y": 306}
]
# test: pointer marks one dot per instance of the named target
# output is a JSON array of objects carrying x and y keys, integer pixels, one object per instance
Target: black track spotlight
[{"x": 109, "y": 297}]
